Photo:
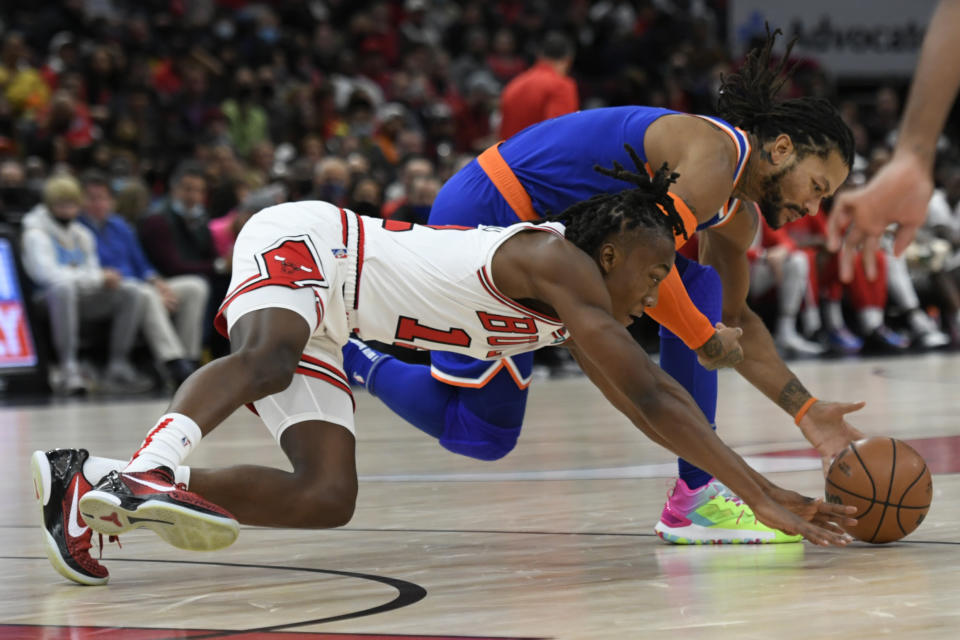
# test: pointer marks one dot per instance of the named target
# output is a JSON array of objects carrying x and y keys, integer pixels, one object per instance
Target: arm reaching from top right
[{"x": 901, "y": 190}]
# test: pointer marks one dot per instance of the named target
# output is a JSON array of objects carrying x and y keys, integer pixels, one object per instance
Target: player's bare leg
[
  {"x": 266, "y": 346},
  {"x": 319, "y": 492}
]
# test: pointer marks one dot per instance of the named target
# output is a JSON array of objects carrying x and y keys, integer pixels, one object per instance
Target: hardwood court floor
[{"x": 554, "y": 541}]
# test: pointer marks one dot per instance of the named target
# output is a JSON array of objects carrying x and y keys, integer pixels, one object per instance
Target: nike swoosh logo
[
  {"x": 73, "y": 524},
  {"x": 158, "y": 487}
]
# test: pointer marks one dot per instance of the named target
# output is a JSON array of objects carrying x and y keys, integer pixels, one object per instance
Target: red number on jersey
[
  {"x": 410, "y": 329},
  {"x": 507, "y": 324}
]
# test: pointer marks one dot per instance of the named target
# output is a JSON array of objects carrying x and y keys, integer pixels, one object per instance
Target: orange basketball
[{"x": 888, "y": 482}]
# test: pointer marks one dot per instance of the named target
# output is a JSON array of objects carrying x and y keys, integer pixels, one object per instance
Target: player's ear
[
  {"x": 781, "y": 148},
  {"x": 608, "y": 256}
]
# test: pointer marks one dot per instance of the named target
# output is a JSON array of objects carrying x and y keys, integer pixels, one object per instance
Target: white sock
[
  {"x": 95, "y": 469},
  {"x": 921, "y": 323},
  {"x": 871, "y": 318},
  {"x": 834, "y": 315},
  {"x": 811, "y": 320},
  {"x": 786, "y": 327},
  {"x": 167, "y": 444}
]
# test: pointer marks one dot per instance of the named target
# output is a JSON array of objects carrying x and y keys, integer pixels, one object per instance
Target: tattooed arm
[{"x": 823, "y": 423}]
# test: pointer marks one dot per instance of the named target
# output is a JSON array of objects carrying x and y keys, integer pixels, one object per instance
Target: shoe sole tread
[{"x": 179, "y": 526}]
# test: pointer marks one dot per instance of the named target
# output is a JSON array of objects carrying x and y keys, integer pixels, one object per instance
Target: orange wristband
[{"x": 803, "y": 410}]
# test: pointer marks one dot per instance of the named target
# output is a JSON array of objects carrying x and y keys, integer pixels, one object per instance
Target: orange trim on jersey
[
  {"x": 746, "y": 148},
  {"x": 503, "y": 178},
  {"x": 728, "y": 212},
  {"x": 689, "y": 220},
  {"x": 677, "y": 313},
  {"x": 484, "y": 379}
]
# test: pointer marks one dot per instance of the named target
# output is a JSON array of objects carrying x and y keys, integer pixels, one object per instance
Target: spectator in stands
[
  {"x": 776, "y": 262},
  {"x": 248, "y": 122},
  {"x": 15, "y": 197},
  {"x": 132, "y": 200},
  {"x": 543, "y": 91},
  {"x": 868, "y": 298},
  {"x": 331, "y": 181},
  {"x": 173, "y": 315},
  {"x": 397, "y": 193},
  {"x": 224, "y": 230},
  {"x": 416, "y": 209},
  {"x": 177, "y": 240},
  {"x": 365, "y": 197},
  {"x": 60, "y": 256},
  {"x": 933, "y": 258}
]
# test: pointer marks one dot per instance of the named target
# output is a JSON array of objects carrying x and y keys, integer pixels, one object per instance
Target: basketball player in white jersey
[{"x": 307, "y": 274}]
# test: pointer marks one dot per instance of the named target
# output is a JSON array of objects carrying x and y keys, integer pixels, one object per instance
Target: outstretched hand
[
  {"x": 817, "y": 521},
  {"x": 899, "y": 193},
  {"x": 722, "y": 349},
  {"x": 826, "y": 428}
]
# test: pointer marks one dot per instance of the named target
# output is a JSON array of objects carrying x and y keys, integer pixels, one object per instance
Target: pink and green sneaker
[{"x": 712, "y": 515}]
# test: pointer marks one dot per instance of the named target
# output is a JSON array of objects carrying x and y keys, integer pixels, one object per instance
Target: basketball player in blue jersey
[{"x": 780, "y": 157}]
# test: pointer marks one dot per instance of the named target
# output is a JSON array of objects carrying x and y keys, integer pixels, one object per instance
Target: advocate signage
[{"x": 864, "y": 38}]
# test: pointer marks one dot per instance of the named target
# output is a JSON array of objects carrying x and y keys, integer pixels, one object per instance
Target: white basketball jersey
[{"x": 432, "y": 288}]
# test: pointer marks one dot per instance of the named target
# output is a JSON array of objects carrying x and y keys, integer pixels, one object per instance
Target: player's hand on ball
[
  {"x": 722, "y": 349},
  {"x": 795, "y": 514},
  {"x": 816, "y": 511},
  {"x": 825, "y": 427}
]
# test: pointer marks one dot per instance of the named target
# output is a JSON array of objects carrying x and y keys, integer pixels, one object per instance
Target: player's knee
[
  {"x": 467, "y": 434},
  {"x": 327, "y": 504},
  {"x": 269, "y": 367}
]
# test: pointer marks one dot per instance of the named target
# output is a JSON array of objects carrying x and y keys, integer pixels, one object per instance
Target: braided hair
[
  {"x": 747, "y": 101},
  {"x": 589, "y": 222}
]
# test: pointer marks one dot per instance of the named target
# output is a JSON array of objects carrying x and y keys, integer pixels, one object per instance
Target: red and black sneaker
[
  {"x": 59, "y": 484},
  {"x": 124, "y": 501}
]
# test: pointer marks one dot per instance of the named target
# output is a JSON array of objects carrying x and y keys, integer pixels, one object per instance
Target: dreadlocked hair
[
  {"x": 747, "y": 100},
  {"x": 648, "y": 206}
]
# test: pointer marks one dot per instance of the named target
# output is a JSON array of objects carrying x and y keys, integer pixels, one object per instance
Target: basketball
[{"x": 888, "y": 482}]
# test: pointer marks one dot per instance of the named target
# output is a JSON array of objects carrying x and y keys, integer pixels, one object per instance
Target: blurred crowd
[{"x": 137, "y": 138}]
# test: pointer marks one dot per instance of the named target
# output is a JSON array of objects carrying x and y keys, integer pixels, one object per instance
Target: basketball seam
[
  {"x": 873, "y": 485},
  {"x": 904, "y": 495},
  {"x": 893, "y": 471},
  {"x": 857, "y": 495}
]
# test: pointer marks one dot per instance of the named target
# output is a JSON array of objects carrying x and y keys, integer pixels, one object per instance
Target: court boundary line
[{"x": 408, "y": 593}]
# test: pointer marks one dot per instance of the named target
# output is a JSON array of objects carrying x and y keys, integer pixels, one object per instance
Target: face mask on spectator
[
  {"x": 332, "y": 192},
  {"x": 193, "y": 213}
]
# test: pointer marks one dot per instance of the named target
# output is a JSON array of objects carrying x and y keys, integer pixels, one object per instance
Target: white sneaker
[{"x": 796, "y": 345}]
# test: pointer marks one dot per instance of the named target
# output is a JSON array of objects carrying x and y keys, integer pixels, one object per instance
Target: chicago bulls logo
[{"x": 292, "y": 262}]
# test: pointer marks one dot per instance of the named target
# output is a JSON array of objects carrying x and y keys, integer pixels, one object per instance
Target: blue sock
[
  {"x": 407, "y": 389},
  {"x": 703, "y": 285}
]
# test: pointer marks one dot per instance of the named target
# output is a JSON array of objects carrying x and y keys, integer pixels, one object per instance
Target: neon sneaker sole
[
  {"x": 179, "y": 526},
  {"x": 712, "y": 515},
  {"x": 696, "y": 534},
  {"x": 42, "y": 481}
]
